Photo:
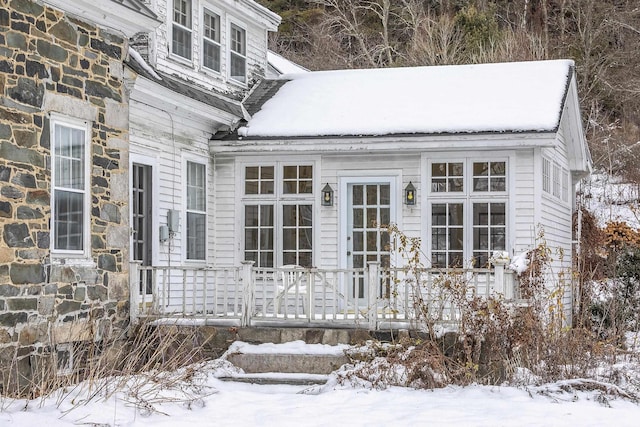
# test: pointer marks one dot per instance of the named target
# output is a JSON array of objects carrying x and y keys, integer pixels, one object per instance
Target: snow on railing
[{"x": 367, "y": 297}]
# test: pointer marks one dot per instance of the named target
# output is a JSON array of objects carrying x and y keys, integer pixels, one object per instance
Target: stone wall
[{"x": 51, "y": 62}]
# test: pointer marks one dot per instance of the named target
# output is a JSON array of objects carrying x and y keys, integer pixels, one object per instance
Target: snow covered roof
[
  {"x": 282, "y": 65},
  {"x": 502, "y": 97}
]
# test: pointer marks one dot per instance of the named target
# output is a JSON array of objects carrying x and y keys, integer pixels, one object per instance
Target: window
[
  {"x": 298, "y": 179},
  {"x": 556, "y": 180},
  {"x": 489, "y": 231},
  {"x": 238, "y": 54},
  {"x": 259, "y": 180},
  {"x": 70, "y": 188},
  {"x": 447, "y": 235},
  {"x": 258, "y": 234},
  {"x": 447, "y": 177},
  {"x": 211, "y": 41},
  {"x": 462, "y": 210},
  {"x": 278, "y": 215},
  {"x": 297, "y": 227},
  {"x": 196, "y": 211},
  {"x": 565, "y": 185},
  {"x": 546, "y": 175},
  {"x": 489, "y": 176},
  {"x": 181, "y": 28}
]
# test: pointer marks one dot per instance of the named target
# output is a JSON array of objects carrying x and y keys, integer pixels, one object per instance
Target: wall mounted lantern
[
  {"x": 327, "y": 195},
  {"x": 410, "y": 195}
]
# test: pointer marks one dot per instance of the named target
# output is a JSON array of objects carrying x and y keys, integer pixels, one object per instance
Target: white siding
[
  {"x": 326, "y": 226},
  {"x": 256, "y": 39},
  {"x": 171, "y": 140},
  {"x": 523, "y": 201}
]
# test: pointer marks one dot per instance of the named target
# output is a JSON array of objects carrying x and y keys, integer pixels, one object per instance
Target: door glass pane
[
  {"x": 357, "y": 195},
  {"x": 372, "y": 194}
]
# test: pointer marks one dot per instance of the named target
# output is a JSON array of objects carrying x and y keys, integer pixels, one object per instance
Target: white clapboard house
[{"x": 259, "y": 200}]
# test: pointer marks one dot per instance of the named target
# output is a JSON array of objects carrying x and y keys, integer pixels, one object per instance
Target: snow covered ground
[
  {"x": 610, "y": 199},
  {"x": 200, "y": 399}
]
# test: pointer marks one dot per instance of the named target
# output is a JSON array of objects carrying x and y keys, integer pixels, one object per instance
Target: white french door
[{"x": 370, "y": 206}]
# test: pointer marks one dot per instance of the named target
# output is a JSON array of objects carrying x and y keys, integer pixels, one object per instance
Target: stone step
[
  {"x": 277, "y": 378},
  {"x": 317, "y": 364}
]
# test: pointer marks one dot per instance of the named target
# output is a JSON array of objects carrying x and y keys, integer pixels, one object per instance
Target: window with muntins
[
  {"x": 447, "y": 177},
  {"x": 565, "y": 185},
  {"x": 238, "y": 42},
  {"x": 211, "y": 41},
  {"x": 181, "y": 30},
  {"x": 278, "y": 215},
  {"x": 468, "y": 212},
  {"x": 196, "y": 211},
  {"x": 70, "y": 188}
]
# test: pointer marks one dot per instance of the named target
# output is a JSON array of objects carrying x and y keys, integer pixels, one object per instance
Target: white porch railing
[{"x": 371, "y": 297}]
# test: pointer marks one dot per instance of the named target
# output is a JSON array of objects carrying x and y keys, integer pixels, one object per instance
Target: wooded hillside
[{"x": 602, "y": 36}]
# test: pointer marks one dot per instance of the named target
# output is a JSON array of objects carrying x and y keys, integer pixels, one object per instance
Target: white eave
[
  {"x": 150, "y": 92},
  {"x": 388, "y": 144},
  {"x": 256, "y": 12},
  {"x": 108, "y": 14}
]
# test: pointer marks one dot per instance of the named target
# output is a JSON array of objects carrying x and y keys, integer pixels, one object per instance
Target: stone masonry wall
[{"x": 51, "y": 62}]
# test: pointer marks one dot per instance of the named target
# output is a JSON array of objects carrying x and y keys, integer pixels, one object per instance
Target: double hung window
[
  {"x": 70, "y": 188},
  {"x": 181, "y": 29},
  {"x": 238, "y": 47},
  {"x": 211, "y": 41},
  {"x": 468, "y": 203},
  {"x": 278, "y": 214}
]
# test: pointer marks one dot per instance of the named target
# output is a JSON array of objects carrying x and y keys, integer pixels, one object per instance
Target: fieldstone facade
[{"x": 52, "y": 62}]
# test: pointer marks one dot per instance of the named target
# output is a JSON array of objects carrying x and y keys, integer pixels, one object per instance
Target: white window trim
[
  {"x": 183, "y": 212},
  {"x": 174, "y": 56},
  {"x": 278, "y": 199},
  {"x": 231, "y": 21},
  {"x": 555, "y": 184},
  {"x": 209, "y": 8},
  {"x": 467, "y": 197},
  {"x": 75, "y": 256}
]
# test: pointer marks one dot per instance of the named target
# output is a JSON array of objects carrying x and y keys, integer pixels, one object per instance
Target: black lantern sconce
[
  {"x": 327, "y": 195},
  {"x": 410, "y": 195}
]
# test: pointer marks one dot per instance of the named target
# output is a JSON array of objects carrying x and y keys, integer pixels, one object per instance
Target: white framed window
[
  {"x": 489, "y": 231},
  {"x": 467, "y": 202},
  {"x": 278, "y": 205},
  {"x": 489, "y": 176},
  {"x": 181, "y": 29},
  {"x": 556, "y": 181},
  {"x": 447, "y": 177},
  {"x": 196, "y": 211},
  {"x": 546, "y": 175},
  {"x": 71, "y": 180},
  {"x": 211, "y": 49},
  {"x": 565, "y": 185},
  {"x": 238, "y": 53},
  {"x": 447, "y": 235}
]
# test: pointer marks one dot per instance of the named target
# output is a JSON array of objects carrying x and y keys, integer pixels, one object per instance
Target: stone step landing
[{"x": 289, "y": 363}]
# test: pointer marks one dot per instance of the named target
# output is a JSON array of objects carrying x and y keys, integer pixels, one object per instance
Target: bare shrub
[
  {"x": 495, "y": 340},
  {"x": 150, "y": 357}
]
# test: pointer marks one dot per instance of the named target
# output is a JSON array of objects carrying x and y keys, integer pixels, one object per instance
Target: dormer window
[
  {"x": 238, "y": 42},
  {"x": 211, "y": 41},
  {"x": 181, "y": 28}
]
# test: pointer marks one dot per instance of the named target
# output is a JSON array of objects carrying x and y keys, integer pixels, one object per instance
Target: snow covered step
[
  {"x": 277, "y": 378},
  {"x": 290, "y": 358}
]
